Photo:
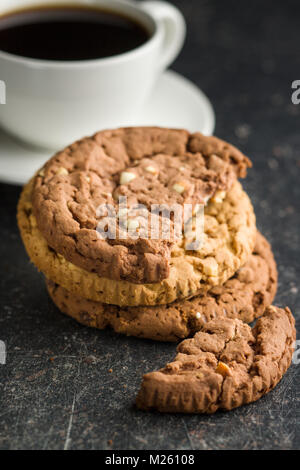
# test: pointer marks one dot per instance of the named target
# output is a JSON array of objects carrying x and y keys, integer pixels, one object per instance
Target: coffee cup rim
[{"x": 118, "y": 58}]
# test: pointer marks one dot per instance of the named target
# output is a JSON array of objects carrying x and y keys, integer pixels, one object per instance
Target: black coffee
[{"x": 69, "y": 33}]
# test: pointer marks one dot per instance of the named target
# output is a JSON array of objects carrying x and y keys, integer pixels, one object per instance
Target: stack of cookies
[{"x": 161, "y": 287}]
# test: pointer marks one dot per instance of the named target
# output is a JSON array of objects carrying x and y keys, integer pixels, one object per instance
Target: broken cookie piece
[{"x": 225, "y": 365}]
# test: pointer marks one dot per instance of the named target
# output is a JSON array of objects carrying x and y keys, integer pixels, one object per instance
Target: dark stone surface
[{"x": 53, "y": 394}]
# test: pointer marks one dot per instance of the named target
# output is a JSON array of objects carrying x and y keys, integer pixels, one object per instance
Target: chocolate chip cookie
[
  {"x": 148, "y": 166},
  {"x": 229, "y": 238},
  {"x": 245, "y": 296}
]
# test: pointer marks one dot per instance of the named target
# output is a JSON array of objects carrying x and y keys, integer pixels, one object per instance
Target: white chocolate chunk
[
  {"x": 151, "y": 169},
  {"x": 219, "y": 197},
  {"x": 126, "y": 177},
  {"x": 62, "y": 171},
  {"x": 133, "y": 224},
  {"x": 210, "y": 267},
  {"x": 179, "y": 188}
]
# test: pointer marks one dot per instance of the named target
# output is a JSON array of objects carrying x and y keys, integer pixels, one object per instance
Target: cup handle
[{"x": 174, "y": 29}]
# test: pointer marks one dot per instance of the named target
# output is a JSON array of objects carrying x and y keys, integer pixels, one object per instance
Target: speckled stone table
[{"x": 56, "y": 389}]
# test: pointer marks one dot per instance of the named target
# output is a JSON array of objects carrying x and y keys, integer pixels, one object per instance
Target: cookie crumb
[
  {"x": 90, "y": 360},
  {"x": 243, "y": 131}
]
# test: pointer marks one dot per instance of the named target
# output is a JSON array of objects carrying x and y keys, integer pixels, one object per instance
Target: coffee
[{"x": 69, "y": 33}]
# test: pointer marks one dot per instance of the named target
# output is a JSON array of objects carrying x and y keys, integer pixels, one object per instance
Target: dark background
[{"x": 56, "y": 390}]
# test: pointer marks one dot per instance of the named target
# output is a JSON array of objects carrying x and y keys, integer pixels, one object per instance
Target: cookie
[
  {"x": 148, "y": 166},
  {"x": 245, "y": 296},
  {"x": 229, "y": 238},
  {"x": 224, "y": 366}
]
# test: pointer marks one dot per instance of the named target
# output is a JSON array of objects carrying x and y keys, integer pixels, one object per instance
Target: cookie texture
[
  {"x": 224, "y": 366},
  {"x": 229, "y": 238},
  {"x": 245, "y": 296},
  {"x": 148, "y": 166}
]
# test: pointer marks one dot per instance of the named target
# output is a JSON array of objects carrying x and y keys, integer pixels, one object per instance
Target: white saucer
[{"x": 175, "y": 102}]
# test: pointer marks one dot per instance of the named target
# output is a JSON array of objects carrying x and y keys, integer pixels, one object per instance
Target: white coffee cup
[{"x": 52, "y": 103}]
